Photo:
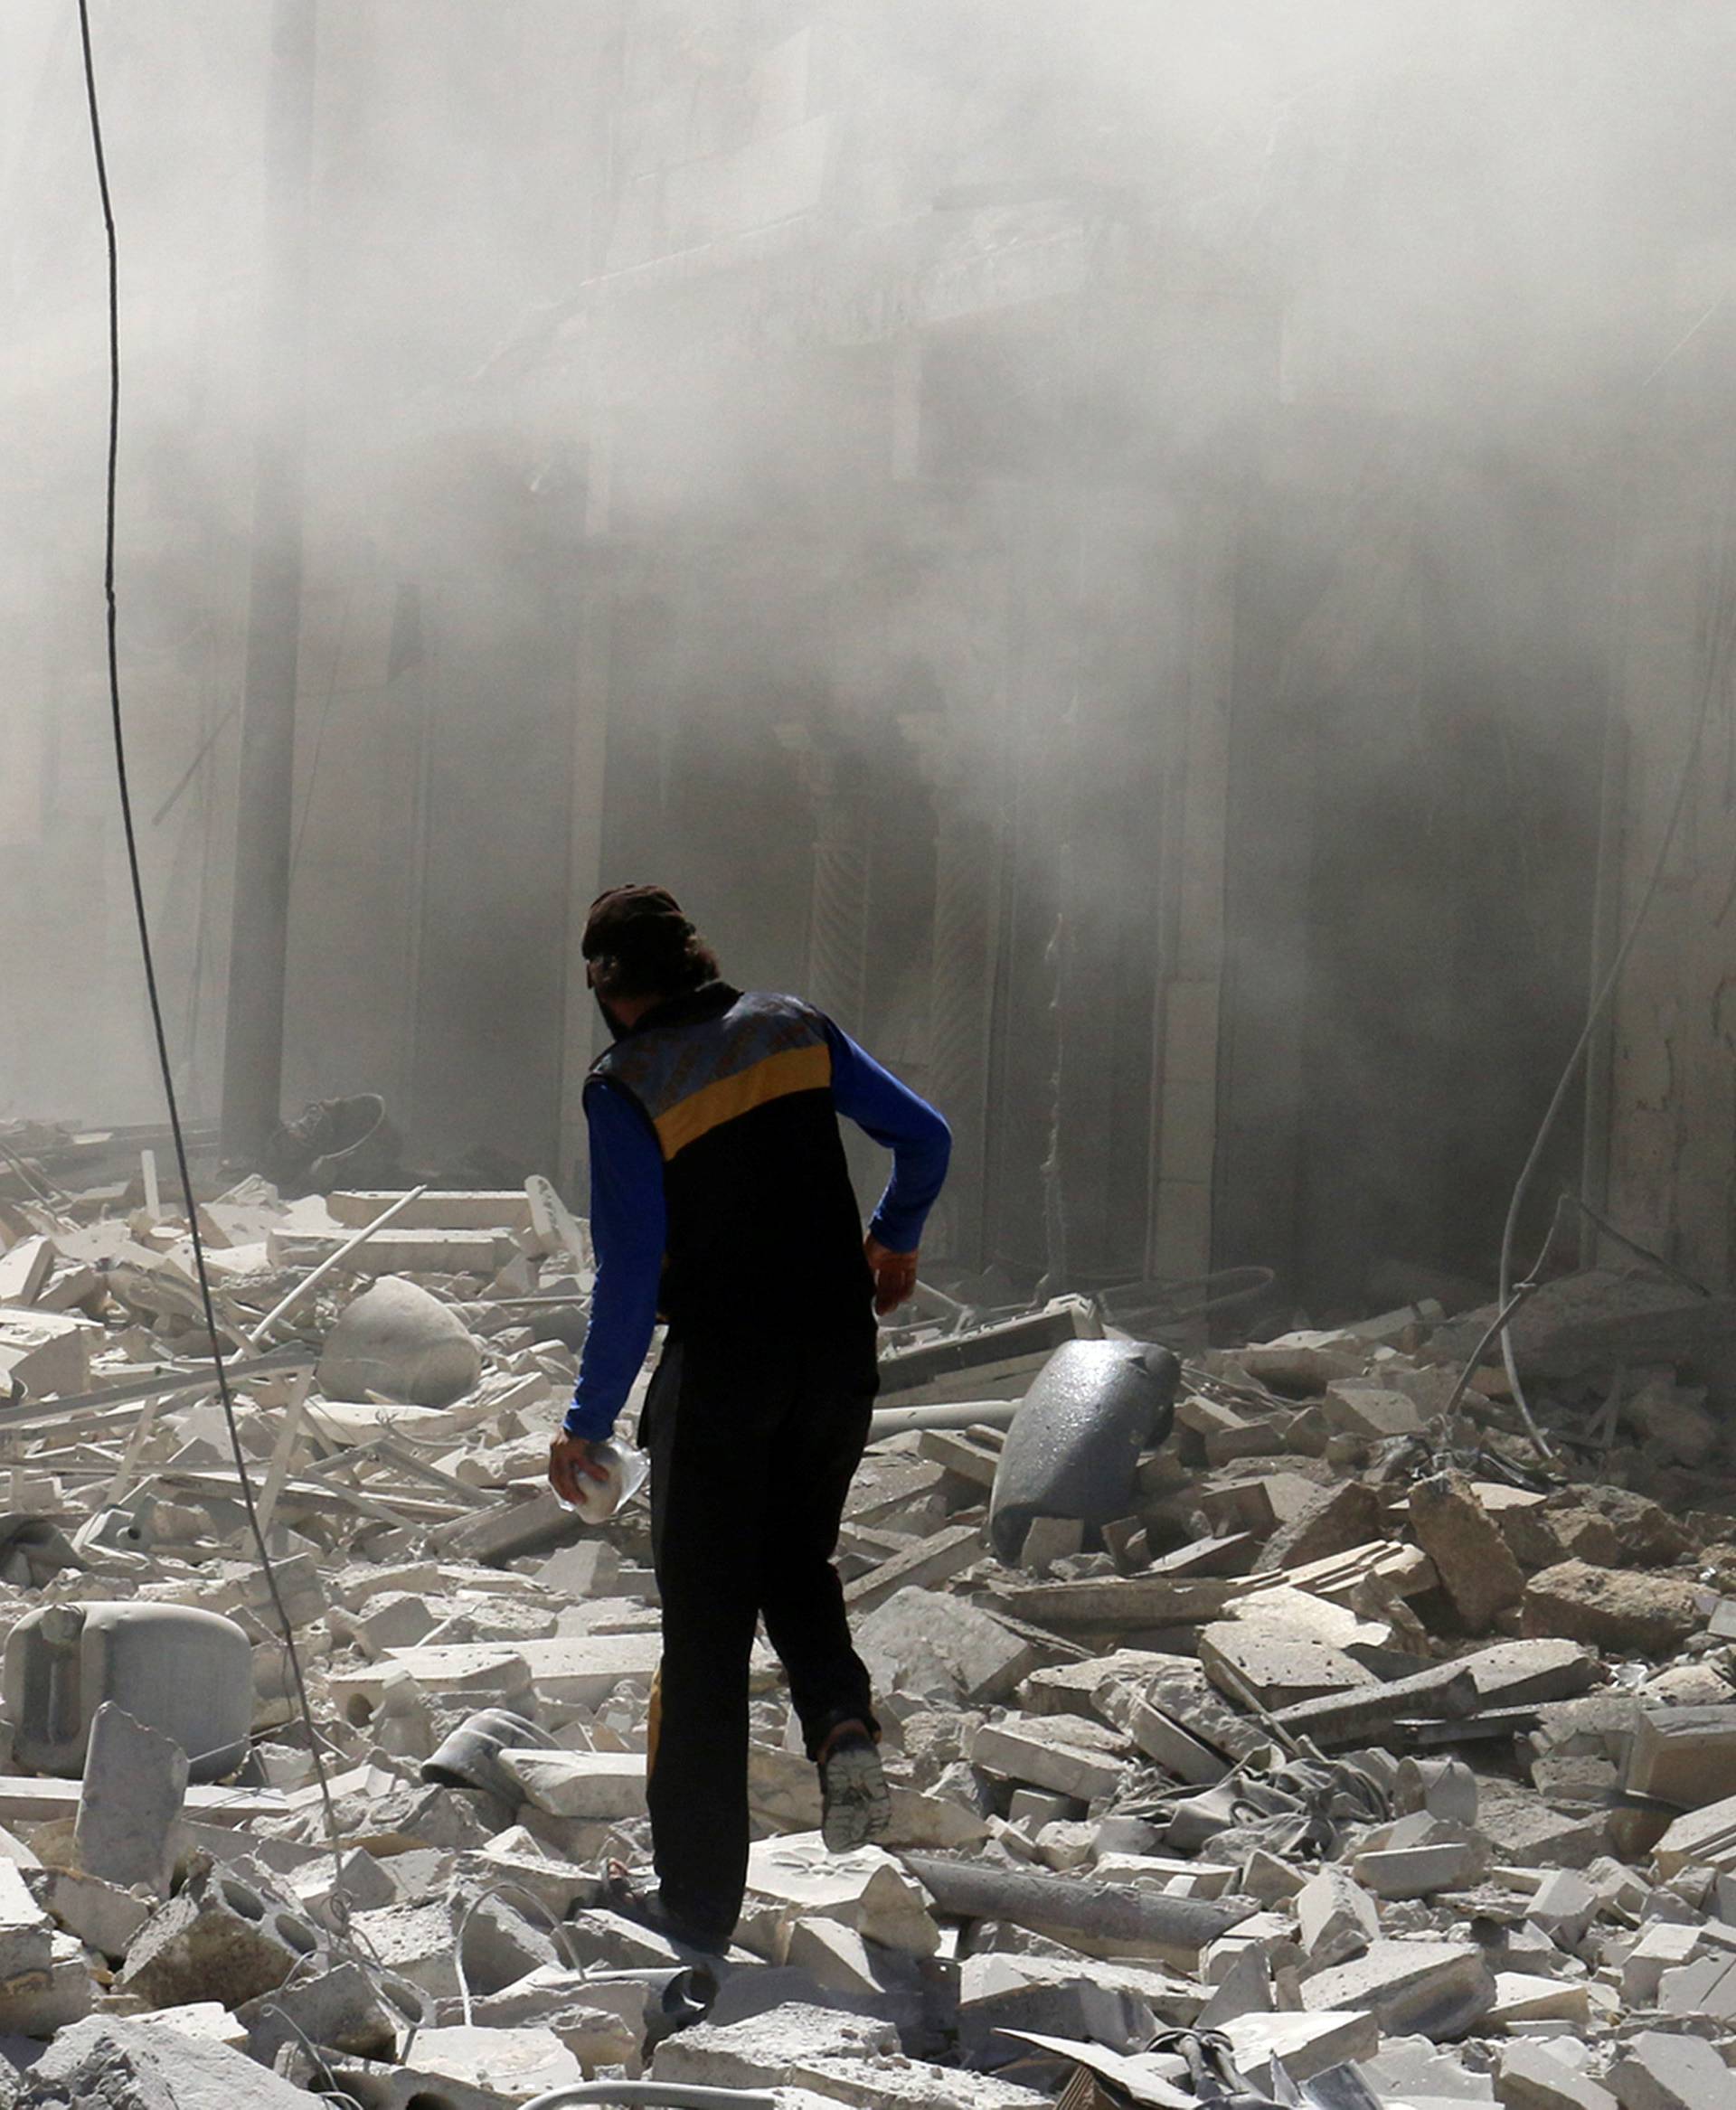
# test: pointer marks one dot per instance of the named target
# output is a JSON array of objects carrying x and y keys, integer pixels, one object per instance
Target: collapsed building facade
[{"x": 1130, "y": 640}]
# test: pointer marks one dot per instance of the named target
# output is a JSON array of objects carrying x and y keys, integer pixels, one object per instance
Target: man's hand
[
  {"x": 572, "y": 1462},
  {"x": 894, "y": 1276}
]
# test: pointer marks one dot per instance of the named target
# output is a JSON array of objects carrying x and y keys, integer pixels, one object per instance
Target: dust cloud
[{"x": 903, "y": 381}]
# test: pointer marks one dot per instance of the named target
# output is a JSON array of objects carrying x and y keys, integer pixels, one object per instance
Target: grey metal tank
[
  {"x": 172, "y": 1667},
  {"x": 1076, "y": 1439}
]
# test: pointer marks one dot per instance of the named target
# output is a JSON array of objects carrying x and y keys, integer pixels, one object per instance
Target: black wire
[{"x": 149, "y": 958}]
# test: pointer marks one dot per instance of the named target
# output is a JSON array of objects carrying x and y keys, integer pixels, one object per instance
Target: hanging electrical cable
[{"x": 148, "y": 958}]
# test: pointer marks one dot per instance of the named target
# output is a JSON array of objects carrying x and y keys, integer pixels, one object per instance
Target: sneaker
[{"x": 856, "y": 1801}]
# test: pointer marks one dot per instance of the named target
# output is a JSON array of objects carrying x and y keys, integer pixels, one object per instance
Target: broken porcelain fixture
[
  {"x": 600, "y": 1499},
  {"x": 172, "y": 1667}
]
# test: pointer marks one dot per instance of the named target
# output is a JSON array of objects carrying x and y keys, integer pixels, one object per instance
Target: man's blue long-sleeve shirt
[{"x": 630, "y": 1224}]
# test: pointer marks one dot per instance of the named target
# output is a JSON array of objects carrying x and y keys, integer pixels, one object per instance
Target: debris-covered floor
[{"x": 1370, "y": 1751}]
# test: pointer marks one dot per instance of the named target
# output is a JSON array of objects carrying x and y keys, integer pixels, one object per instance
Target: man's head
[{"x": 641, "y": 949}]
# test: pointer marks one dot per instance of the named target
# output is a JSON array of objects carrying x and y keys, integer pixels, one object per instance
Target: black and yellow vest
[{"x": 738, "y": 1091}]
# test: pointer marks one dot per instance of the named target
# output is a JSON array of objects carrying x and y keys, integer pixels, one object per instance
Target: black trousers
[{"x": 752, "y": 1450}]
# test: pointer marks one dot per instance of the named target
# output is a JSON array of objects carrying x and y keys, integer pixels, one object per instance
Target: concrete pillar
[
  {"x": 1184, "y": 1126},
  {"x": 584, "y": 880},
  {"x": 967, "y": 902},
  {"x": 837, "y": 928}
]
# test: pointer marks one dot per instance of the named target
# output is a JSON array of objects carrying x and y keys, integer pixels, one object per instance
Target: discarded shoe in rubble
[
  {"x": 332, "y": 1143},
  {"x": 1076, "y": 1439}
]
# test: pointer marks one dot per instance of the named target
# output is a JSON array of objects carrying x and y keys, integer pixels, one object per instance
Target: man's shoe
[{"x": 854, "y": 1794}]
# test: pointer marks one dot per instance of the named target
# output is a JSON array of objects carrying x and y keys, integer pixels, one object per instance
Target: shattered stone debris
[{"x": 1361, "y": 1756}]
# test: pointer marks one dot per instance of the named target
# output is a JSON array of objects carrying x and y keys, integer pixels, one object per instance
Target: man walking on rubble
[{"x": 721, "y": 1197}]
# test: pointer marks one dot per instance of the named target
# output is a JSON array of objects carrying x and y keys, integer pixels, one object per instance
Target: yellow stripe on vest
[{"x": 795, "y": 1070}]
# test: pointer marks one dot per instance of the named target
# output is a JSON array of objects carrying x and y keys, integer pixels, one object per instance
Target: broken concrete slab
[
  {"x": 1615, "y": 1609},
  {"x": 1337, "y": 1918},
  {"x": 1659, "y": 2072},
  {"x": 111, "y": 2062},
  {"x": 765, "y": 2052},
  {"x": 600, "y": 1786},
  {"x": 920, "y": 1640},
  {"x": 1275, "y": 1667},
  {"x": 1477, "y": 1570},
  {"x": 130, "y": 1806},
  {"x": 1043, "y": 1758},
  {"x": 1437, "y": 1989},
  {"x": 1532, "y": 2077},
  {"x": 795, "y": 1878}
]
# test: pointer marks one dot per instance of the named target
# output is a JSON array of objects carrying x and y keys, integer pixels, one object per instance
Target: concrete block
[
  {"x": 762, "y": 2052},
  {"x": 1683, "y": 1754},
  {"x": 1371, "y": 1411},
  {"x": 1031, "y": 1808},
  {"x": 1531, "y": 2077},
  {"x": 1333, "y": 1519},
  {"x": 892, "y": 2083},
  {"x": 25, "y": 1270},
  {"x": 134, "y": 1786},
  {"x": 1671, "y": 2073},
  {"x": 1437, "y": 1989},
  {"x": 1471, "y": 1557},
  {"x": 341, "y": 2010},
  {"x": 1703, "y": 1838},
  {"x": 794, "y": 1878},
  {"x": 1307, "y": 2045},
  {"x": 1617, "y": 1610},
  {"x": 1035, "y": 1757},
  {"x": 301, "y": 1585},
  {"x": 1277, "y": 1668},
  {"x": 505, "y": 1209},
  {"x": 220, "y": 1937},
  {"x": 207, "y": 2019},
  {"x": 1418, "y": 1857},
  {"x": 587, "y": 1569},
  {"x": 27, "y": 1934},
  {"x": 1337, "y": 1918},
  {"x": 836, "y": 1956},
  {"x": 1048, "y": 1539},
  {"x": 933, "y": 1559},
  {"x": 921, "y": 1642},
  {"x": 415, "y": 1941},
  {"x": 1048, "y": 1995},
  {"x": 603, "y": 2022},
  {"x": 40, "y": 2003},
  {"x": 1705, "y": 1988},
  {"x": 515, "y": 1857},
  {"x": 1523, "y": 1997},
  {"x": 114, "y": 2063},
  {"x": 516, "y": 2063},
  {"x": 601, "y": 1786},
  {"x": 1564, "y": 1906},
  {"x": 404, "y": 1252},
  {"x": 102, "y": 1916},
  {"x": 44, "y": 1354}
]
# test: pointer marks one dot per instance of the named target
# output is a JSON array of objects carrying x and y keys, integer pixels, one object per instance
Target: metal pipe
[
  {"x": 946, "y": 1414},
  {"x": 261, "y": 1332}
]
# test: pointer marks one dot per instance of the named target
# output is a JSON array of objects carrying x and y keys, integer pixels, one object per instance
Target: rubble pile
[{"x": 1364, "y": 1755}]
